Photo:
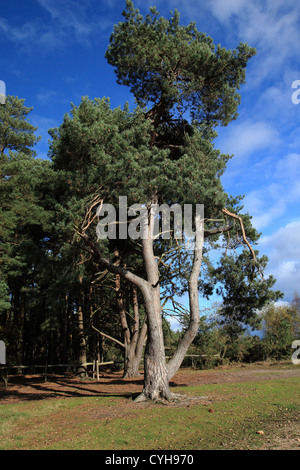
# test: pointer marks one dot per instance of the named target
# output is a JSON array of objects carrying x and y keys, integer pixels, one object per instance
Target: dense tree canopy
[{"x": 176, "y": 68}]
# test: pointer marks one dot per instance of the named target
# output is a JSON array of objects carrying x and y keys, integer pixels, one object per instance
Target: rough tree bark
[
  {"x": 81, "y": 334},
  {"x": 156, "y": 383}
]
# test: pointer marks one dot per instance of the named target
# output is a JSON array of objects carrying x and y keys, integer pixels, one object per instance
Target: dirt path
[{"x": 34, "y": 387}]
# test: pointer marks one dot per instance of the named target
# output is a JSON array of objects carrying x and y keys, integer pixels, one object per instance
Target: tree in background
[
  {"x": 43, "y": 285},
  {"x": 91, "y": 151},
  {"x": 280, "y": 327},
  {"x": 23, "y": 223}
]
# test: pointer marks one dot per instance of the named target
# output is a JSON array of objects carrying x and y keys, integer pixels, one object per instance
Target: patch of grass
[{"x": 230, "y": 419}]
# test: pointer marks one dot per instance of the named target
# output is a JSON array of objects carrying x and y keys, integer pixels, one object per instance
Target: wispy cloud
[
  {"x": 46, "y": 96},
  {"x": 269, "y": 25},
  {"x": 61, "y": 23},
  {"x": 280, "y": 193},
  {"x": 18, "y": 34},
  {"x": 75, "y": 16}
]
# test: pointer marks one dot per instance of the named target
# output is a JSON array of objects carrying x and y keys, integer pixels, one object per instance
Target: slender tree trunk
[
  {"x": 134, "y": 352},
  {"x": 82, "y": 342},
  {"x": 70, "y": 345},
  {"x": 124, "y": 325},
  {"x": 183, "y": 345}
]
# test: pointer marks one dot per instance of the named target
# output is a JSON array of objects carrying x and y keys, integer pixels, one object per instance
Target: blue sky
[{"x": 52, "y": 54}]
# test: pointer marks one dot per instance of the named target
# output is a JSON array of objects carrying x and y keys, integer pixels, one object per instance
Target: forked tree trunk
[
  {"x": 134, "y": 337},
  {"x": 157, "y": 373}
]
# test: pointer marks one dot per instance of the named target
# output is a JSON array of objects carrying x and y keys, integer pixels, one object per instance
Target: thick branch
[
  {"x": 94, "y": 249},
  {"x": 215, "y": 231}
]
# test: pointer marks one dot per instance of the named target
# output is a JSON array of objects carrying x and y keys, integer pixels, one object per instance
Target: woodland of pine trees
[{"x": 61, "y": 301}]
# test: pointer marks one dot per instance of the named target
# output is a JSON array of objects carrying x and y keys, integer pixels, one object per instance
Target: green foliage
[
  {"x": 16, "y": 132},
  {"x": 174, "y": 66},
  {"x": 242, "y": 294},
  {"x": 23, "y": 220},
  {"x": 280, "y": 327}
]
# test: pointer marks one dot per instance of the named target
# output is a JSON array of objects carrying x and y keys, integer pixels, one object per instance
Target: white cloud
[
  {"x": 283, "y": 249},
  {"x": 223, "y": 11},
  {"x": 248, "y": 136},
  {"x": 285, "y": 243},
  {"x": 288, "y": 168},
  {"x": 46, "y": 96},
  {"x": 265, "y": 205}
]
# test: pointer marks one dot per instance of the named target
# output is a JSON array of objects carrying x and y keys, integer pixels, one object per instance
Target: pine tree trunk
[
  {"x": 187, "y": 339},
  {"x": 131, "y": 368},
  {"x": 156, "y": 382},
  {"x": 82, "y": 342}
]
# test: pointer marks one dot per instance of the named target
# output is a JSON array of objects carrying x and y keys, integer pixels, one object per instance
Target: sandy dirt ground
[{"x": 22, "y": 388}]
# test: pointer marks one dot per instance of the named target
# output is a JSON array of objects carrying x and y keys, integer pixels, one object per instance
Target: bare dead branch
[
  {"x": 108, "y": 337},
  {"x": 237, "y": 217}
]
